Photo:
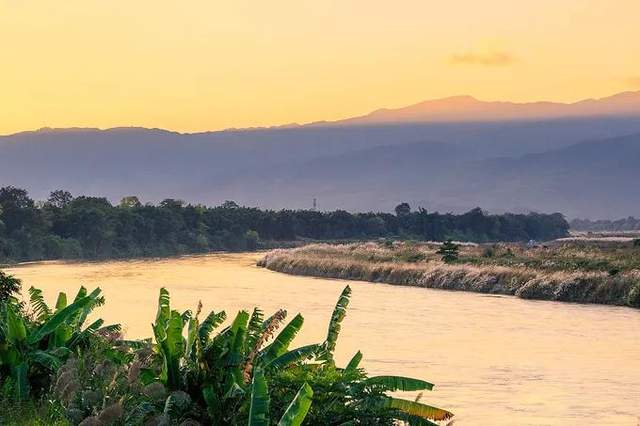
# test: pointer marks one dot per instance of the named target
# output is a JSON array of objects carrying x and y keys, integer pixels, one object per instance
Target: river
[{"x": 495, "y": 360}]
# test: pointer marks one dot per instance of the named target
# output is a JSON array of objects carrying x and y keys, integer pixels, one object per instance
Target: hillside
[{"x": 522, "y": 165}]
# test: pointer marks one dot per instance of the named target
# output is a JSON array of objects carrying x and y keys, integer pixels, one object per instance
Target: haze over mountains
[
  {"x": 467, "y": 108},
  {"x": 452, "y": 154}
]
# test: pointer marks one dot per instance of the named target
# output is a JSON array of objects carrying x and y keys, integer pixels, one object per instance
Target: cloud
[{"x": 496, "y": 59}]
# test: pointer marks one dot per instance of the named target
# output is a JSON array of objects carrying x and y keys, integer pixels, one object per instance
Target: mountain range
[{"x": 452, "y": 154}]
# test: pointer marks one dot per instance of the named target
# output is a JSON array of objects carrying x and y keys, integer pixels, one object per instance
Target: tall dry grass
[{"x": 387, "y": 264}]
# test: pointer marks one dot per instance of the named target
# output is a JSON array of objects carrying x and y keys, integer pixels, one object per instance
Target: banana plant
[
  {"x": 170, "y": 343},
  {"x": 259, "y": 410},
  {"x": 43, "y": 343},
  {"x": 339, "y": 313},
  {"x": 229, "y": 369},
  {"x": 412, "y": 412},
  {"x": 221, "y": 366}
]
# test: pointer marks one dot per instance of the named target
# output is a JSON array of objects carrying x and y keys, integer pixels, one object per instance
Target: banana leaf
[
  {"x": 397, "y": 383},
  {"x": 259, "y": 409},
  {"x": 299, "y": 407},
  {"x": 281, "y": 343},
  {"x": 295, "y": 355},
  {"x": 355, "y": 361},
  {"x": 59, "y": 319},
  {"x": 417, "y": 409}
]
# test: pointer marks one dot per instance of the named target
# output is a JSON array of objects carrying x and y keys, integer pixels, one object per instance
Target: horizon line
[{"x": 328, "y": 123}]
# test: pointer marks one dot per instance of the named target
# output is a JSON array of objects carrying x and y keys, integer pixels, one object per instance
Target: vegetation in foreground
[
  {"x": 58, "y": 369},
  {"x": 67, "y": 227},
  {"x": 573, "y": 271}
]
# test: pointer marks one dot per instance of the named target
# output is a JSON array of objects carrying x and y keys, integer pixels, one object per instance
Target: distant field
[{"x": 602, "y": 270}]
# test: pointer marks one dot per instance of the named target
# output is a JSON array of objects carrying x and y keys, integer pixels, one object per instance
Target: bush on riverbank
[
  {"x": 57, "y": 369},
  {"x": 473, "y": 272}
]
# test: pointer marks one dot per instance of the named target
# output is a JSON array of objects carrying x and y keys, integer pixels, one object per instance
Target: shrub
[
  {"x": 9, "y": 287},
  {"x": 634, "y": 296},
  {"x": 449, "y": 251},
  {"x": 193, "y": 372}
]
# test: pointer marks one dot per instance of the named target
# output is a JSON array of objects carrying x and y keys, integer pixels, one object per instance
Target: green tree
[
  {"x": 449, "y": 251},
  {"x": 403, "y": 209},
  {"x": 59, "y": 199},
  {"x": 252, "y": 239},
  {"x": 129, "y": 202}
]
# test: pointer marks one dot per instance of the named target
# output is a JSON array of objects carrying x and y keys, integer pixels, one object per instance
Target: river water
[{"x": 494, "y": 360}]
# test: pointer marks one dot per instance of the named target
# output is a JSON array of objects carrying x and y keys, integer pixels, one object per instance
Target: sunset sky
[{"x": 202, "y": 65}]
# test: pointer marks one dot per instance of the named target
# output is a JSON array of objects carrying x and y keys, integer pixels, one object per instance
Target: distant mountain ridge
[
  {"x": 462, "y": 108},
  {"x": 582, "y": 166},
  {"x": 468, "y": 108}
]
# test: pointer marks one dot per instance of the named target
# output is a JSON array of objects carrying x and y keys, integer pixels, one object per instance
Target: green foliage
[
  {"x": 339, "y": 312},
  {"x": 32, "y": 347},
  {"x": 9, "y": 288},
  {"x": 299, "y": 407},
  {"x": 634, "y": 296},
  {"x": 259, "y": 410},
  {"x": 449, "y": 251},
  {"x": 242, "y": 374},
  {"x": 93, "y": 228}
]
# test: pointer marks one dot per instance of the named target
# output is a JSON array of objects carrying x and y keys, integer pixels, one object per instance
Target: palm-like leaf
[
  {"x": 259, "y": 408},
  {"x": 59, "y": 319},
  {"x": 96, "y": 301},
  {"x": 355, "y": 362},
  {"x": 397, "y": 383},
  {"x": 414, "y": 420},
  {"x": 20, "y": 381},
  {"x": 299, "y": 407},
  {"x": 295, "y": 355},
  {"x": 82, "y": 336},
  {"x": 46, "y": 359},
  {"x": 255, "y": 328},
  {"x": 61, "y": 301},
  {"x": 212, "y": 321},
  {"x": 40, "y": 308},
  {"x": 173, "y": 347},
  {"x": 339, "y": 312},
  {"x": 164, "y": 307},
  {"x": 16, "y": 329},
  {"x": 417, "y": 409},
  {"x": 281, "y": 343}
]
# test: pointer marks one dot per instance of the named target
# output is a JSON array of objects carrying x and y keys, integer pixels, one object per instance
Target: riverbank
[{"x": 603, "y": 273}]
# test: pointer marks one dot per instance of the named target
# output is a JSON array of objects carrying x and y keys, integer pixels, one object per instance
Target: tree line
[
  {"x": 627, "y": 224},
  {"x": 83, "y": 227}
]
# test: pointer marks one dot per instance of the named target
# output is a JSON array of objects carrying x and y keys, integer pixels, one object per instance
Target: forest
[
  {"x": 87, "y": 227},
  {"x": 626, "y": 224}
]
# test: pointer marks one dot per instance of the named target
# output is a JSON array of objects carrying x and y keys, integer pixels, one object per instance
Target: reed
[{"x": 551, "y": 277}]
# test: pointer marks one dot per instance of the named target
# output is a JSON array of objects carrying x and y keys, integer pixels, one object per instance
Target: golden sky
[{"x": 196, "y": 65}]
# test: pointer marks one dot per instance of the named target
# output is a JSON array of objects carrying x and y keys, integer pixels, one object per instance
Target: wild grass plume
[{"x": 606, "y": 273}]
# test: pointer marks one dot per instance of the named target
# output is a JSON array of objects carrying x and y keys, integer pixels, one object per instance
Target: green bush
[
  {"x": 449, "y": 251},
  {"x": 193, "y": 371},
  {"x": 634, "y": 296}
]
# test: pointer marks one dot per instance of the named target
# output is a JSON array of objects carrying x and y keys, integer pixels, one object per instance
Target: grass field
[{"x": 605, "y": 271}]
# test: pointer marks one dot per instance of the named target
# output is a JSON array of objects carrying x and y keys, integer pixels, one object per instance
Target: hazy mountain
[
  {"x": 527, "y": 164},
  {"x": 589, "y": 179},
  {"x": 467, "y": 108}
]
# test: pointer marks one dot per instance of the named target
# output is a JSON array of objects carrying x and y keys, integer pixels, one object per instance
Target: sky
[{"x": 196, "y": 65}]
